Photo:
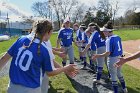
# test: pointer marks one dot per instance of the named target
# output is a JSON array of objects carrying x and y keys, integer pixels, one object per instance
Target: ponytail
[
  {"x": 30, "y": 42},
  {"x": 40, "y": 27}
]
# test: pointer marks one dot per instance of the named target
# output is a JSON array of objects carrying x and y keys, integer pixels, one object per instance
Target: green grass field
[
  {"x": 60, "y": 83},
  {"x": 128, "y": 34}
]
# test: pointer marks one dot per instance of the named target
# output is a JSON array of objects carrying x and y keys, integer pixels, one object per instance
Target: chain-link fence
[{"x": 127, "y": 27}]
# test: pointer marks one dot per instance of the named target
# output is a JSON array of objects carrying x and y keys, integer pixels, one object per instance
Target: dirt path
[
  {"x": 83, "y": 82},
  {"x": 129, "y": 48}
]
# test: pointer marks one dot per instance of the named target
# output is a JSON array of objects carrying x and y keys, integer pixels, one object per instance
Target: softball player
[
  {"x": 84, "y": 42},
  {"x": 66, "y": 36},
  {"x": 29, "y": 57},
  {"x": 100, "y": 44},
  {"x": 113, "y": 51},
  {"x": 45, "y": 79},
  {"x": 91, "y": 50},
  {"x": 78, "y": 39}
]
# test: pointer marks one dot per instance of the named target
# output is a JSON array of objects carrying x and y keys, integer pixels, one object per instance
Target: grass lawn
[
  {"x": 60, "y": 83},
  {"x": 128, "y": 34},
  {"x": 6, "y": 44}
]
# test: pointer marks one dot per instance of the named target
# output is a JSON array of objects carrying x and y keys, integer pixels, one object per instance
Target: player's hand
[
  {"x": 82, "y": 53},
  {"x": 77, "y": 41},
  {"x": 70, "y": 67},
  {"x": 120, "y": 62},
  {"x": 94, "y": 57},
  {"x": 62, "y": 49},
  {"x": 71, "y": 70},
  {"x": 71, "y": 74},
  {"x": 62, "y": 54}
]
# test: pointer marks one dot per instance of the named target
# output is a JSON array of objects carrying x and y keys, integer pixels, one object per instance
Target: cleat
[
  {"x": 96, "y": 81},
  {"x": 125, "y": 90},
  {"x": 84, "y": 68}
]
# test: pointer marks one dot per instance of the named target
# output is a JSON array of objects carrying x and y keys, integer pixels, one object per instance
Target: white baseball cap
[
  {"x": 105, "y": 29},
  {"x": 67, "y": 19}
]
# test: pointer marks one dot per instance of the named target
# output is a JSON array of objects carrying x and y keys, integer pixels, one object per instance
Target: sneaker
[
  {"x": 92, "y": 67},
  {"x": 82, "y": 63},
  {"x": 110, "y": 92},
  {"x": 125, "y": 90},
  {"x": 76, "y": 60},
  {"x": 109, "y": 78},
  {"x": 84, "y": 68},
  {"x": 96, "y": 81}
]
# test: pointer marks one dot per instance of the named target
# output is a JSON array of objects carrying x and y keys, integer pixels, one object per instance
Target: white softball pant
[
  {"x": 114, "y": 72},
  {"x": 70, "y": 52},
  {"x": 16, "y": 88}
]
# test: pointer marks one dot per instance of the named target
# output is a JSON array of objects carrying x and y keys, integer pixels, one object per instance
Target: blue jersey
[
  {"x": 84, "y": 37},
  {"x": 26, "y": 65},
  {"x": 96, "y": 38},
  {"x": 114, "y": 46},
  {"x": 66, "y": 36},
  {"x": 78, "y": 35},
  {"x": 93, "y": 46}
]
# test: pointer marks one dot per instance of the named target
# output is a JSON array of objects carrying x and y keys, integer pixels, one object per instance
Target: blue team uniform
[
  {"x": 96, "y": 41},
  {"x": 78, "y": 35},
  {"x": 26, "y": 64},
  {"x": 96, "y": 38},
  {"x": 66, "y": 36},
  {"x": 114, "y": 46},
  {"x": 85, "y": 37}
]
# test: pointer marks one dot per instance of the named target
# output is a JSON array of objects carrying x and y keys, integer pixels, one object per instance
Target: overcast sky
[{"x": 24, "y": 6}]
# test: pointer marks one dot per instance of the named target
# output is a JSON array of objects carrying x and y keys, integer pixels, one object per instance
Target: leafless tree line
[{"x": 57, "y": 10}]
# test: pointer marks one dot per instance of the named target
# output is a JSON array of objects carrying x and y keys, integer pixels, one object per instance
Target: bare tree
[
  {"x": 79, "y": 13},
  {"x": 104, "y": 6},
  {"x": 41, "y": 8},
  {"x": 56, "y": 7},
  {"x": 66, "y": 6},
  {"x": 114, "y": 10}
]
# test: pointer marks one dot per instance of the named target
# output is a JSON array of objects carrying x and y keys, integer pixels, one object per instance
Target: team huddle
[{"x": 33, "y": 57}]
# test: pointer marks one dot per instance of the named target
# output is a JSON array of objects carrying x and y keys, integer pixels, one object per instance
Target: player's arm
[
  {"x": 106, "y": 54},
  {"x": 70, "y": 68},
  {"x": 4, "y": 59},
  {"x": 88, "y": 45},
  {"x": 124, "y": 60},
  {"x": 59, "y": 38},
  {"x": 86, "y": 49},
  {"x": 51, "y": 67},
  {"x": 83, "y": 41},
  {"x": 58, "y": 42},
  {"x": 57, "y": 49},
  {"x": 71, "y": 74},
  {"x": 132, "y": 57},
  {"x": 60, "y": 54},
  {"x": 56, "y": 65}
]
